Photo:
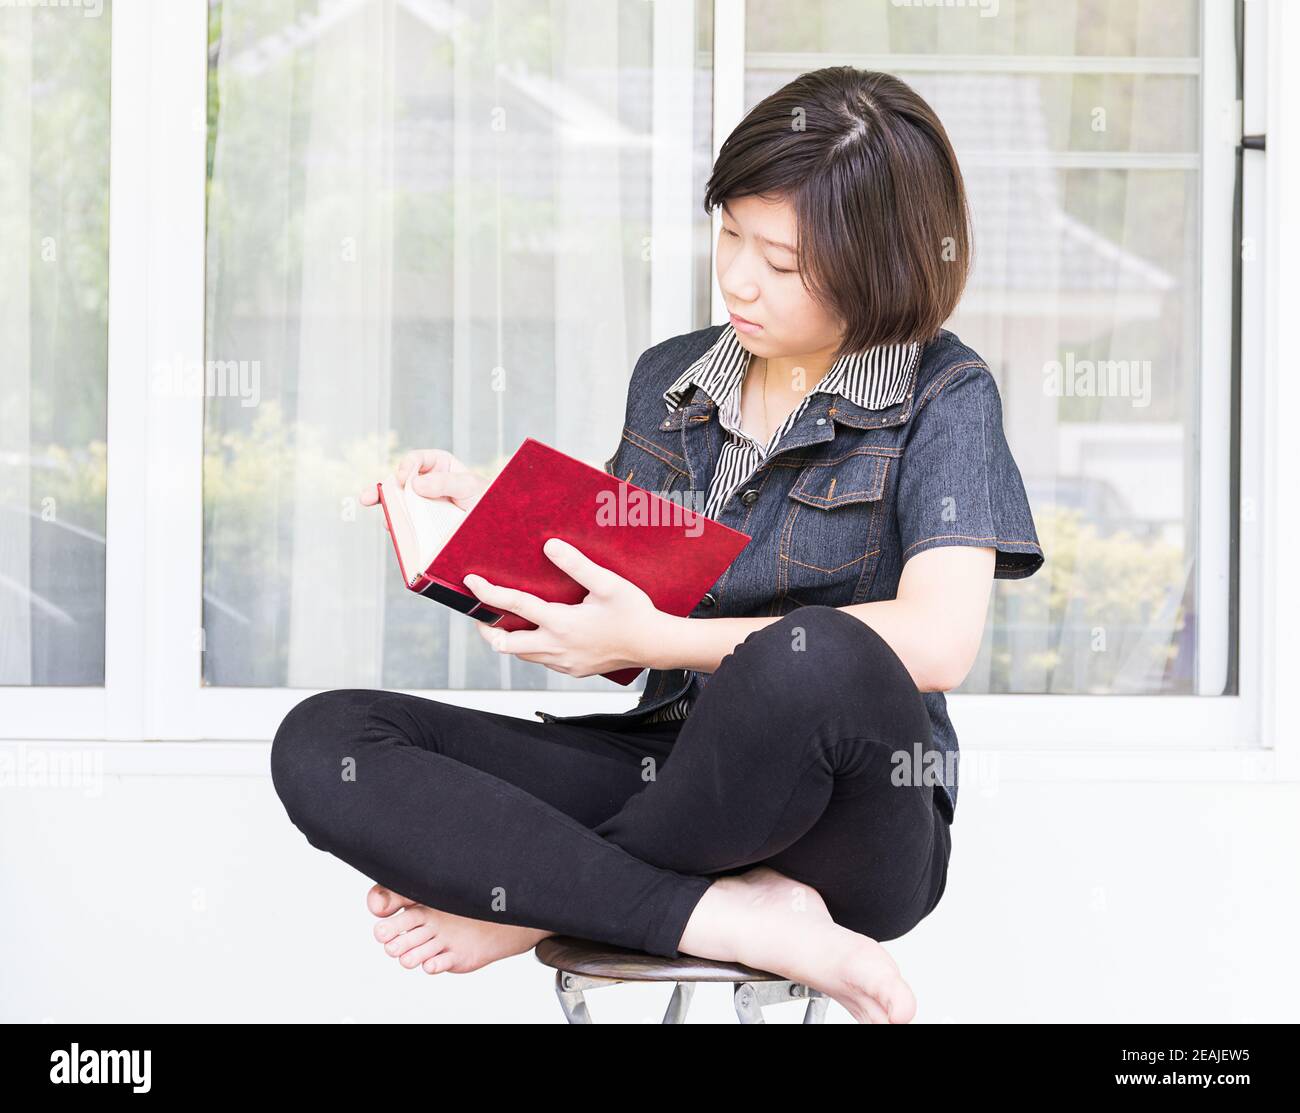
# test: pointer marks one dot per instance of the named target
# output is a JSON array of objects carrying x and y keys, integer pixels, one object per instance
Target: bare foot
[
  {"x": 777, "y": 887},
  {"x": 417, "y": 935},
  {"x": 772, "y": 922}
]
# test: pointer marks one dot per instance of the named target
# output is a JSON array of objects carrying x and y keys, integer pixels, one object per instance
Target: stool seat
[
  {"x": 603, "y": 960},
  {"x": 582, "y": 964}
]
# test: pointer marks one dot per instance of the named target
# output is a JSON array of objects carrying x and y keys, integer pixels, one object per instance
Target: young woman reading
[{"x": 783, "y": 792}]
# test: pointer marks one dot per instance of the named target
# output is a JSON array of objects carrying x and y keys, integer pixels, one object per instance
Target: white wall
[{"x": 192, "y": 898}]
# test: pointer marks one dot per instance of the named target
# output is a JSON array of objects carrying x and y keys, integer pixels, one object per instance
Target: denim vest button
[
  {"x": 821, "y": 421},
  {"x": 748, "y": 497},
  {"x": 708, "y": 600}
]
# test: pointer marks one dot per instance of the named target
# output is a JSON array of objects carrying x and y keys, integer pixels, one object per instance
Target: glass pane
[
  {"x": 1077, "y": 127},
  {"x": 54, "y": 86},
  {"x": 427, "y": 227}
]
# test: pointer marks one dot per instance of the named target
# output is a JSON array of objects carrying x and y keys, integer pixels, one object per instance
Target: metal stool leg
[
  {"x": 748, "y": 1008},
  {"x": 569, "y": 989},
  {"x": 815, "y": 1013},
  {"x": 679, "y": 1002},
  {"x": 752, "y": 996}
]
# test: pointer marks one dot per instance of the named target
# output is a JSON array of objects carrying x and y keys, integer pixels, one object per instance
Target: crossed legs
[{"x": 617, "y": 835}]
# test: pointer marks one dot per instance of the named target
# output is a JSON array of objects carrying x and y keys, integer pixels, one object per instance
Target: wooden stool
[{"x": 581, "y": 964}]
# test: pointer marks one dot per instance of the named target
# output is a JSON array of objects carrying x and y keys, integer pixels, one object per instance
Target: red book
[{"x": 666, "y": 547}]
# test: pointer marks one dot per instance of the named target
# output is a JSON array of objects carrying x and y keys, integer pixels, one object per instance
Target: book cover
[{"x": 668, "y": 549}]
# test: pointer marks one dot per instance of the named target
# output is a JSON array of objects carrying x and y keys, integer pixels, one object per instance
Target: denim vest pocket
[{"x": 830, "y": 538}]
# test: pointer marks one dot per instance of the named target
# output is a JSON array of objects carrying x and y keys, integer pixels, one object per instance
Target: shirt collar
[{"x": 875, "y": 379}]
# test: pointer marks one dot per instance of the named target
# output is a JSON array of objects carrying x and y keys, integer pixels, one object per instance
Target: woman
[{"x": 782, "y": 793}]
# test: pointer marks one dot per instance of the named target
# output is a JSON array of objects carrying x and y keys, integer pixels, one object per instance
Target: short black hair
[{"x": 884, "y": 236}]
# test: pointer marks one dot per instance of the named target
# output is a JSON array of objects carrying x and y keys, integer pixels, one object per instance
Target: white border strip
[
  {"x": 173, "y": 495},
  {"x": 79, "y": 765},
  {"x": 1043, "y": 722},
  {"x": 672, "y": 185},
  {"x": 1280, "y": 525},
  {"x": 728, "y": 110},
  {"x": 1220, "y": 132},
  {"x": 126, "y": 584},
  {"x": 1050, "y": 64}
]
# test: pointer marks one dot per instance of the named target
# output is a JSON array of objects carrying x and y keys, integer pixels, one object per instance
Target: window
[
  {"x": 351, "y": 227},
  {"x": 53, "y": 344},
  {"x": 427, "y": 226},
  {"x": 1100, "y": 199}
]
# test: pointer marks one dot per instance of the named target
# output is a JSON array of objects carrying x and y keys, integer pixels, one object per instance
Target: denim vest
[{"x": 834, "y": 513}]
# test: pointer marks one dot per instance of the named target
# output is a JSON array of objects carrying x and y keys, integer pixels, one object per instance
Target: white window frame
[{"x": 153, "y": 692}]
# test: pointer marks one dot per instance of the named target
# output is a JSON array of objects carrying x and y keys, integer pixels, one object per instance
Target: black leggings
[{"x": 614, "y": 834}]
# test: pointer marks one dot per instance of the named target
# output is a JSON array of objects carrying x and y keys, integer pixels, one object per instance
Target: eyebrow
[{"x": 774, "y": 243}]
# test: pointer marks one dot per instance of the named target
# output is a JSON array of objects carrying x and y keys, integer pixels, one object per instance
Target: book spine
[{"x": 456, "y": 600}]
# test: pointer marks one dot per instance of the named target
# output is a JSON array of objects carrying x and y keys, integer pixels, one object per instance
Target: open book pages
[{"x": 421, "y": 526}]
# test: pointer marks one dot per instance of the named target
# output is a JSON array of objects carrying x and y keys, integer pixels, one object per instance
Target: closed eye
[{"x": 769, "y": 265}]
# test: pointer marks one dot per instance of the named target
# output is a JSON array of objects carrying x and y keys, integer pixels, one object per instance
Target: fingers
[
  {"x": 594, "y": 577},
  {"x": 522, "y": 603},
  {"x": 527, "y": 645},
  {"x": 416, "y": 461},
  {"x": 430, "y": 467},
  {"x": 422, "y": 460},
  {"x": 447, "y": 484}
]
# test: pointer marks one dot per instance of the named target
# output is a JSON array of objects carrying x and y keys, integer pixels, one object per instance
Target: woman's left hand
[{"x": 606, "y": 631}]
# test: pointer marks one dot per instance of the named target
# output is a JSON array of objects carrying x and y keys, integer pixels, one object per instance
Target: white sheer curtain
[
  {"x": 1077, "y": 128},
  {"x": 345, "y": 347},
  {"x": 426, "y": 221},
  {"x": 53, "y": 343}
]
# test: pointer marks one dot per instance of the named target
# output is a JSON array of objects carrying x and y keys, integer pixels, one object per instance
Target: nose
[{"x": 735, "y": 282}]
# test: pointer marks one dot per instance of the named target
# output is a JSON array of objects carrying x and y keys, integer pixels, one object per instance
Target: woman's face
[{"x": 760, "y": 282}]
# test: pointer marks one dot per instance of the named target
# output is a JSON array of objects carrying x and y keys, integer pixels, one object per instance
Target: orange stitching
[
  {"x": 748, "y": 512},
  {"x": 653, "y": 450},
  {"x": 844, "y": 495},
  {"x": 873, "y": 493},
  {"x": 949, "y": 375},
  {"x": 782, "y": 552},
  {"x": 968, "y": 537},
  {"x": 784, "y": 461},
  {"x": 831, "y": 571}
]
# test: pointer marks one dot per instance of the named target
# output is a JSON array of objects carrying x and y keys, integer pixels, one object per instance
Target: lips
[{"x": 738, "y": 319}]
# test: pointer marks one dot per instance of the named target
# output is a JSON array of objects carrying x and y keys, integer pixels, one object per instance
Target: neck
[{"x": 791, "y": 377}]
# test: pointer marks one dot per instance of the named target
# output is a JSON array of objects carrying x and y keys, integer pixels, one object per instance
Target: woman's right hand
[{"x": 435, "y": 473}]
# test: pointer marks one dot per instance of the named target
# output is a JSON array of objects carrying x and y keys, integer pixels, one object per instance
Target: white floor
[{"x": 189, "y": 898}]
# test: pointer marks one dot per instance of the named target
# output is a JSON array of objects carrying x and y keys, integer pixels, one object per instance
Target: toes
[
  {"x": 902, "y": 1007},
  {"x": 874, "y": 1012},
  {"x": 439, "y": 963},
  {"x": 384, "y": 902},
  {"x": 425, "y": 952},
  {"x": 408, "y": 941},
  {"x": 406, "y": 920}
]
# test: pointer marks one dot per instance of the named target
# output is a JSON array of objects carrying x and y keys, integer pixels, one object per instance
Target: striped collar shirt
[{"x": 875, "y": 379}]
